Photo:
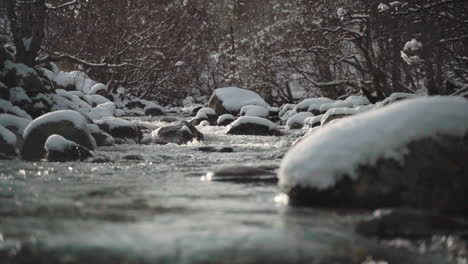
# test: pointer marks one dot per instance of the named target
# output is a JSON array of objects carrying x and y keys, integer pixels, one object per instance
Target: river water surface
[{"x": 157, "y": 210}]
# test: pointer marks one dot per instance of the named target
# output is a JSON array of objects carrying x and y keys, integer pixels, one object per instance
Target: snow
[
  {"x": 285, "y": 108},
  {"x": 8, "y": 136},
  {"x": 102, "y": 111},
  {"x": 364, "y": 139},
  {"x": 207, "y": 111},
  {"x": 351, "y": 101},
  {"x": 58, "y": 143},
  {"x": 254, "y": 110},
  {"x": 97, "y": 99},
  {"x": 234, "y": 98},
  {"x": 7, "y": 107},
  {"x": 76, "y": 118},
  {"x": 75, "y": 78},
  {"x": 98, "y": 87},
  {"x": 383, "y": 7},
  {"x": 21, "y": 69},
  {"x": 346, "y": 111},
  {"x": 201, "y": 115},
  {"x": 310, "y": 121},
  {"x": 298, "y": 119},
  {"x": 312, "y": 103},
  {"x": 18, "y": 95},
  {"x": 114, "y": 122},
  {"x": 412, "y": 45},
  {"x": 11, "y": 121},
  {"x": 253, "y": 120},
  {"x": 396, "y": 97},
  {"x": 224, "y": 118}
]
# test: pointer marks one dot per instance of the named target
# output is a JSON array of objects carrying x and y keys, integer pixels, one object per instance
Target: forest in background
[{"x": 166, "y": 50}]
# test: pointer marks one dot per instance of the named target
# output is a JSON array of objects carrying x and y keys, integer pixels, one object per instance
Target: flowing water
[{"x": 157, "y": 210}]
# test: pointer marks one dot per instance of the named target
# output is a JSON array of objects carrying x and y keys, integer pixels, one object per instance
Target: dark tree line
[{"x": 169, "y": 49}]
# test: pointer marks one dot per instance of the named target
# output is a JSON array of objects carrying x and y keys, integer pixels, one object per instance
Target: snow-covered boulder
[
  {"x": 7, "y": 143},
  {"x": 312, "y": 104},
  {"x": 8, "y": 108},
  {"x": 205, "y": 114},
  {"x": 225, "y": 120},
  {"x": 254, "y": 110},
  {"x": 97, "y": 99},
  {"x": 18, "y": 74},
  {"x": 100, "y": 89},
  {"x": 154, "y": 110},
  {"x": 120, "y": 128},
  {"x": 342, "y": 112},
  {"x": 102, "y": 111},
  {"x": 66, "y": 123},
  {"x": 16, "y": 125},
  {"x": 60, "y": 149},
  {"x": 180, "y": 133},
  {"x": 286, "y": 108},
  {"x": 102, "y": 138},
  {"x": 395, "y": 97},
  {"x": 19, "y": 97},
  {"x": 249, "y": 125},
  {"x": 313, "y": 121},
  {"x": 297, "y": 121},
  {"x": 230, "y": 100},
  {"x": 349, "y": 102},
  {"x": 411, "y": 153}
]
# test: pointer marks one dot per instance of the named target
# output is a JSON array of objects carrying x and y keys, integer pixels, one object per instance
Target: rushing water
[{"x": 157, "y": 210}]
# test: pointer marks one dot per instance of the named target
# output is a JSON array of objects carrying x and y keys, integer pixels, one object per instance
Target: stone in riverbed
[
  {"x": 230, "y": 100},
  {"x": 66, "y": 123},
  {"x": 410, "y": 154},
  {"x": 60, "y": 149},
  {"x": 120, "y": 128},
  {"x": 7, "y": 143},
  {"x": 241, "y": 174},
  {"x": 248, "y": 125},
  {"x": 215, "y": 149},
  {"x": 180, "y": 133}
]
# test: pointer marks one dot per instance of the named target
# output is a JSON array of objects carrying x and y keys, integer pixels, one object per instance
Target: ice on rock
[{"x": 363, "y": 139}]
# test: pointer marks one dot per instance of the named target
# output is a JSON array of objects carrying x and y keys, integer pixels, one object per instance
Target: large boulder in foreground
[
  {"x": 230, "y": 100},
  {"x": 180, "y": 133},
  {"x": 60, "y": 149},
  {"x": 249, "y": 125},
  {"x": 66, "y": 123},
  {"x": 409, "y": 154}
]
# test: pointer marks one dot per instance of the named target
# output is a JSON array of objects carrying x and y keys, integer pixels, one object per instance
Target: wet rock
[
  {"x": 247, "y": 125},
  {"x": 135, "y": 104},
  {"x": 60, "y": 149},
  {"x": 133, "y": 157},
  {"x": 215, "y": 149},
  {"x": 406, "y": 223},
  {"x": 180, "y": 133},
  {"x": 7, "y": 142},
  {"x": 120, "y": 128},
  {"x": 241, "y": 174},
  {"x": 168, "y": 119},
  {"x": 225, "y": 120},
  {"x": 206, "y": 114},
  {"x": 102, "y": 138},
  {"x": 154, "y": 111},
  {"x": 66, "y": 123}
]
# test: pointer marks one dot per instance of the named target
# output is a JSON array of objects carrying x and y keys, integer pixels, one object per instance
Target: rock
[
  {"x": 168, "y": 119},
  {"x": 248, "y": 125},
  {"x": 133, "y": 157},
  {"x": 401, "y": 223},
  {"x": 7, "y": 142},
  {"x": 312, "y": 105},
  {"x": 225, "y": 120},
  {"x": 102, "y": 138},
  {"x": 380, "y": 159},
  {"x": 215, "y": 149},
  {"x": 230, "y": 100},
  {"x": 207, "y": 114},
  {"x": 135, "y": 104},
  {"x": 254, "y": 110},
  {"x": 66, "y": 123},
  {"x": 60, "y": 149},
  {"x": 180, "y": 133},
  {"x": 241, "y": 174},
  {"x": 120, "y": 128},
  {"x": 297, "y": 121},
  {"x": 154, "y": 111},
  {"x": 100, "y": 89},
  {"x": 4, "y": 91}
]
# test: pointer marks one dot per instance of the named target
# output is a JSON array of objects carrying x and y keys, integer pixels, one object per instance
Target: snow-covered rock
[
  {"x": 102, "y": 138},
  {"x": 103, "y": 111},
  {"x": 312, "y": 104},
  {"x": 297, "y": 121},
  {"x": 249, "y": 125},
  {"x": 9, "y": 108},
  {"x": 97, "y": 99},
  {"x": 60, "y": 149},
  {"x": 99, "y": 88},
  {"x": 225, "y": 120},
  {"x": 230, "y": 100},
  {"x": 4, "y": 91},
  {"x": 19, "y": 97},
  {"x": 342, "y": 112},
  {"x": 205, "y": 114},
  {"x": 14, "y": 123},
  {"x": 351, "y": 101},
  {"x": 154, "y": 110},
  {"x": 180, "y": 133},
  {"x": 71, "y": 81},
  {"x": 411, "y": 153},
  {"x": 67, "y": 123},
  {"x": 254, "y": 110},
  {"x": 285, "y": 108},
  {"x": 7, "y": 143},
  {"x": 395, "y": 97},
  {"x": 120, "y": 128},
  {"x": 313, "y": 121}
]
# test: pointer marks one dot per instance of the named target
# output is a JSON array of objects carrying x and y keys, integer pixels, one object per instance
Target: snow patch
[
  {"x": 254, "y": 110},
  {"x": 253, "y": 120}
]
